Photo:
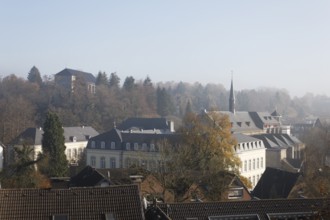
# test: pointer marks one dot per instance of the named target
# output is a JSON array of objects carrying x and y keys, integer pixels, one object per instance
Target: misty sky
[{"x": 277, "y": 43}]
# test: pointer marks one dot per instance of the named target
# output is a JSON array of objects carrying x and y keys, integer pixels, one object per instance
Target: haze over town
[{"x": 280, "y": 44}]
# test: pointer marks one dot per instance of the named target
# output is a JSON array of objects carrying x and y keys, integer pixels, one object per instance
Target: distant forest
[{"x": 24, "y": 102}]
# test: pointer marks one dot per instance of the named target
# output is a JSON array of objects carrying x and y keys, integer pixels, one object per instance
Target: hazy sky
[{"x": 275, "y": 43}]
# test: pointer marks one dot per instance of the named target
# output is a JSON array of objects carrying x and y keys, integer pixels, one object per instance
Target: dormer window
[
  {"x": 73, "y": 138},
  {"x": 152, "y": 147},
  {"x": 60, "y": 217},
  {"x": 102, "y": 144},
  {"x": 247, "y": 123},
  {"x": 113, "y": 145},
  {"x": 128, "y": 146},
  {"x": 239, "y": 124},
  {"x": 93, "y": 144}
]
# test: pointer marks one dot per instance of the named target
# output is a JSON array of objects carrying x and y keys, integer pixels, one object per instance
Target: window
[
  {"x": 249, "y": 164},
  {"x": 109, "y": 216},
  {"x": 152, "y": 147},
  {"x": 235, "y": 193},
  {"x": 254, "y": 164},
  {"x": 69, "y": 153},
  {"x": 245, "y": 165},
  {"x": 261, "y": 162},
  {"x": 128, "y": 146},
  {"x": 113, "y": 145},
  {"x": 253, "y": 180},
  {"x": 60, "y": 217},
  {"x": 93, "y": 144},
  {"x": 102, "y": 162},
  {"x": 136, "y": 146},
  {"x": 93, "y": 161},
  {"x": 112, "y": 162},
  {"x": 257, "y": 163},
  {"x": 144, "y": 146},
  {"x": 102, "y": 144},
  {"x": 289, "y": 216},
  {"x": 75, "y": 153},
  {"x": 258, "y": 178},
  {"x": 80, "y": 150},
  {"x": 73, "y": 138}
]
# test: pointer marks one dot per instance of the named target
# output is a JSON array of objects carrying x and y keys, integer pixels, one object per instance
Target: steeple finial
[{"x": 232, "y": 96}]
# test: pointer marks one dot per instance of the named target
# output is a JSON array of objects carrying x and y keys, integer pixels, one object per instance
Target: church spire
[{"x": 231, "y": 96}]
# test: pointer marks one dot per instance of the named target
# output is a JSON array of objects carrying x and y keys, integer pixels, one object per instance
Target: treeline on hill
[{"x": 25, "y": 102}]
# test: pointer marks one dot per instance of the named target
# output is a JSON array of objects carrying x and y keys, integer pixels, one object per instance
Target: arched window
[
  {"x": 128, "y": 146},
  {"x": 102, "y": 144}
]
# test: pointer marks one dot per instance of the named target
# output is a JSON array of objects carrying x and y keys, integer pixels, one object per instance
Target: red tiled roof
[{"x": 123, "y": 202}]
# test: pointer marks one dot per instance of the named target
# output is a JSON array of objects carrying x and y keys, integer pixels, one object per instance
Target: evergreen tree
[
  {"x": 129, "y": 83},
  {"x": 114, "y": 80},
  {"x": 34, "y": 76},
  {"x": 188, "y": 108},
  {"x": 147, "y": 82},
  {"x": 102, "y": 79},
  {"x": 164, "y": 102},
  {"x": 53, "y": 146}
]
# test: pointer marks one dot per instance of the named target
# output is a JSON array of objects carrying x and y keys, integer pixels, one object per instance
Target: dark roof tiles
[
  {"x": 202, "y": 211},
  {"x": 78, "y": 203}
]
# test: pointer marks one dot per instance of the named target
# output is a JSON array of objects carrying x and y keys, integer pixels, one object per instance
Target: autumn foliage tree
[{"x": 206, "y": 152}]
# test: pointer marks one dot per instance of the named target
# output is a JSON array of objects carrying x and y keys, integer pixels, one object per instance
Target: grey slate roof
[
  {"x": 123, "y": 202},
  {"x": 275, "y": 183},
  {"x": 145, "y": 124},
  {"x": 249, "y": 122},
  {"x": 121, "y": 138},
  {"x": 218, "y": 210},
  {"x": 33, "y": 136},
  {"x": 277, "y": 140},
  {"x": 241, "y": 138},
  {"x": 88, "y": 77}
]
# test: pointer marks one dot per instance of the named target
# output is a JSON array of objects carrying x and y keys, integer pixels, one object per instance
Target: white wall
[{"x": 253, "y": 160}]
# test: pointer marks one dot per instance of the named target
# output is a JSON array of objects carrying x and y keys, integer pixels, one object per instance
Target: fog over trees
[{"x": 24, "y": 102}]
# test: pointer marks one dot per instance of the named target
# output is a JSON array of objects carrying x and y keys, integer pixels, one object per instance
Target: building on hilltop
[
  {"x": 69, "y": 79},
  {"x": 76, "y": 139}
]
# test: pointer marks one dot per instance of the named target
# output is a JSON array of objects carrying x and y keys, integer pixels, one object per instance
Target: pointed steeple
[{"x": 231, "y": 96}]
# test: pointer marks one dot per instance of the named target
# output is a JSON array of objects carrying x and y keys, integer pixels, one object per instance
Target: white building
[
  {"x": 1, "y": 155},
  {"x": 76, "y": 139},
  {"x": 252, "y": 153},
  {"x": 123, "y": 149}
]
